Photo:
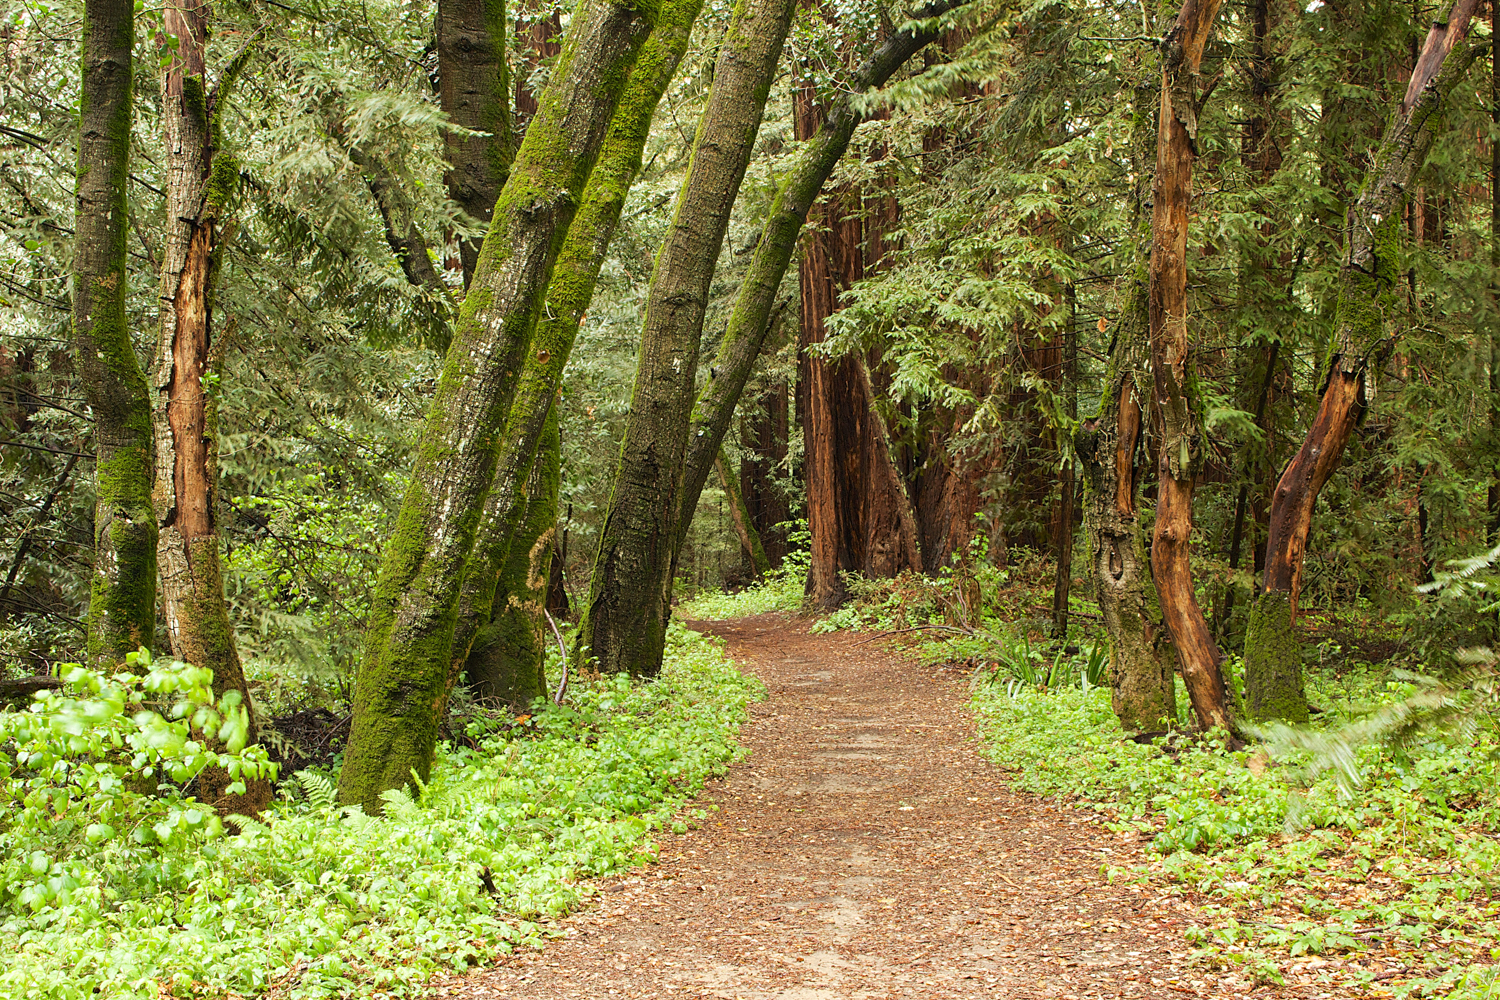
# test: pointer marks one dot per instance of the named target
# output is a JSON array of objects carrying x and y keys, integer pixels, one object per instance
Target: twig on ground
[
  {"x": 562, "y": 685},
  {"x": 916, "y": 628}
]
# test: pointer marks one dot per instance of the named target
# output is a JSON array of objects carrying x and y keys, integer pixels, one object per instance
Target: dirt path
[{"x": 864, "y": 849}]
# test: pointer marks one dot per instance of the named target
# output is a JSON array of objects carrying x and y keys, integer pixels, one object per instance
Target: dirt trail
[{"x": 864, "y": 849}]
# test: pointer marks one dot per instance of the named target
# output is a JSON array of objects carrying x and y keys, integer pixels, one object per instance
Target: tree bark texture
[
  {"x": 1180, "y": 453},
  {"x": 1067, "y": 487},
  {"x": 858, "y": 512},
  {"x": 1368, "y": 299},
  {"x": 508, "y": 659},
  {"x": 764, "y": 435},
  {"x": 122, "y": 595},
  {"x": 625, "y": 620},
  {"x": 200, "y": 182},
  {"x": 740, "y": 515},
  {"x": 1113, "y": 451},
  {"x": 568, "y": 296},
  {"x": 475, "y": 93},
  {"x": 750, "y": 320},
  {"x": 403, "y": 678}
]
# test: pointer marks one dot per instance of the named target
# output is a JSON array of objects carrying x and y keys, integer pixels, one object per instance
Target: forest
[{"x": 413, "y": 414}]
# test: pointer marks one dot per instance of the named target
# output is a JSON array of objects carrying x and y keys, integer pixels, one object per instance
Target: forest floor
[{"x": 866, "y": 848}]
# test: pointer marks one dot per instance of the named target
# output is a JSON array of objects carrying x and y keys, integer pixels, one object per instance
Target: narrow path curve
[{"x": 864, "y": 849}]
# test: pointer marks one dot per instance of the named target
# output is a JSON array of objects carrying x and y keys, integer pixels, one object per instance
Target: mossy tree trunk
[
  {"x": 403, "y": 678},
  {"x": 508, "y": 661},
  {"x": 201, "y": 180},
  {"x": 568, "y": 298},
  {"x": 750, "y": 321},
  {"x": 1367, "y": 299},
  {"x": 624, "y": 622},
  {"x": 475, "y": 93},
  {"x": 122, "y": 596},
  {"x": 1172, "y": 345},
  {"x": 1112, "y": 449}
]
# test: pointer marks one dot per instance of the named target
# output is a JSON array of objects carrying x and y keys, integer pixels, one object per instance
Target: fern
[{"x": 319, "y": 789}]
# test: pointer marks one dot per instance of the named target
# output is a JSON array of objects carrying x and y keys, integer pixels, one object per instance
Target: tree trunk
[
  {"x": 740, "y": 515},
  {"x": 1367, "y": 292},
  {"x": 1171, "y": 363},
  {"x": 754, "y": 305},
  {"x": 403, "y": 678},
  {"x": 1112, "y": 449},
  {"x": 508, "y": 661},
  {"x": 200, "y": 182},
  {"x": 122, "y": 597},
  {"x": 568, "y": 297},
  {"x": 763, "y": 437},
  {"x": 475, "y": 93},
  {"x": 1494, "y": 345},
  {"x": 624, "y": 623}
]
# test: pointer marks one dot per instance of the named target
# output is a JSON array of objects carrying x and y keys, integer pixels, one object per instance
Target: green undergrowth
[
  {"x": 781, "y": 590},
  {"x": 1299, "y": 871},
  {"x": 317, "y": 901}
]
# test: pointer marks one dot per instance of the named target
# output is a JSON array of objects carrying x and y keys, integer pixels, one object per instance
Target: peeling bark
[
  {"x": 200, "y": 179},
  {"x": 1198, "y": 656},
  {"x": 402, "y": 685},
  {"x": 122, "y": 594},
  {"x": 1368, "y": 297}
]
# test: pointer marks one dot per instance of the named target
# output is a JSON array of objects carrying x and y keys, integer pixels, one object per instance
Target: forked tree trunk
[
  {"x": 1198, "y": 656},
  {"x": 403, "y": 678},
  {"x": 568, "y": 297},
  {"x": 122, "y": 593},
  {"x": 1368, "y": 293},
  {"x": 508, "y": 661},
  {"x": 625, "y": 620},
  {"x": 200, "y": 182},
  {"x": 754, "y": 305},
  {"x": 475, "y": 93}
]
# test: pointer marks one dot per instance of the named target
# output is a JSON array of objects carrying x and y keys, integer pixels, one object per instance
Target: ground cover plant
[{"x": 111, "y": 889}]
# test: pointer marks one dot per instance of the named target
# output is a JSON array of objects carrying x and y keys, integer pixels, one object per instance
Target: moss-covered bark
[
  {"x": 624, "y": 622},
  {"x": 200, "y": 184},
  {"x": 1367, "y": 301},
  {"x": 508, "y": 662},
  {"x": 568, "y": 297},
  {"x": 1273, "y": 661},
  {"x": 122, "y": 596},
  {"x": 475, "y": 93},
  {"x": 1112, "y": 448},
  {"x": 403, "y": 678},
  {"x": 754, "y": 305}
]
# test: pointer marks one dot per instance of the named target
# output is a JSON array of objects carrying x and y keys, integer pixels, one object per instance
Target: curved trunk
[
  {"x": 122, "y": 594},
  {"x": 403, "y": 679},
  {"x": 625, "y": 620},
  {"x": 740, "y": 515},
  {"x": 568, "y": 297},
  {"x": 1366, "y": 295},
  {"x": 508, "y": 660},
  {"x": 200, "y": 180},
  {"x": 1171, "y": 362}
]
